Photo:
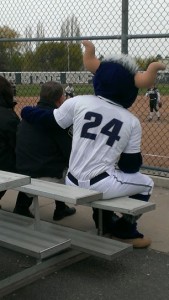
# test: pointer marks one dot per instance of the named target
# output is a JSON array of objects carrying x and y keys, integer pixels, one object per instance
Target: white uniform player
[
  {"x": 69, "y": 90},
  {"x": 102, "y": 130}
]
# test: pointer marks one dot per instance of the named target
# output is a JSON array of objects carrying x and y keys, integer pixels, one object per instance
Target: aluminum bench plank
[
  {"x": 82, "y": 241},
  {"x": 25, "y": 240},
  {"x": 124, "y": 205},
  {"x": 10, "y": 180},
  {"x": 88, "y": 242},
  {"x": 60, "y": 192}
]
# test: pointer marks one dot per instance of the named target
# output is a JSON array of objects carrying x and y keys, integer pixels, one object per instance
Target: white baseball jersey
[{"x": 102, "y": 130}]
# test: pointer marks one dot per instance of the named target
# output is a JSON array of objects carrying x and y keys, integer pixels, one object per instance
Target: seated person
[
  {"x": 8, "y": 127},
  {"x": 43, "y": 154}
]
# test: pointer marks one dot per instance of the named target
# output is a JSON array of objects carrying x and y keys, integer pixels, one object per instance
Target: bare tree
[
  {"x": 40, "y": 33},
  {"x": 70, "y": 28},
  {"x": 28, "y": 34}
]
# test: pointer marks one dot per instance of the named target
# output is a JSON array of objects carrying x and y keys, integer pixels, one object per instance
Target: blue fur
[{"x": 115, "y": 82}]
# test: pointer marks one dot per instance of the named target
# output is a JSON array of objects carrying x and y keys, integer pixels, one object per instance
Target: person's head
[
  {"x": 52, "y": 92},
  {"x": 117, "y": 78},
  {"x": 6, "y": 93}
]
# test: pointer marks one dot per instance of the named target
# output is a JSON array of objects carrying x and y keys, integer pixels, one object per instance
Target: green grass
[
  {"x": 28, "y": 90},
  {"x": 84, "y": 89},
  {"x": 163, "y": 89},
  {"x": 31, "y": 90}
]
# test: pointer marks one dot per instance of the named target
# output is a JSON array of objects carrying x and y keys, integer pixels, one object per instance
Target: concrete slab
[
  {"x": 154, "y": 224},
  {"x": 142, "y": 274}
]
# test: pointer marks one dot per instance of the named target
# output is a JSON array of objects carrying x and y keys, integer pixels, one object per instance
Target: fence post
[{"x": 124, "y": 29}]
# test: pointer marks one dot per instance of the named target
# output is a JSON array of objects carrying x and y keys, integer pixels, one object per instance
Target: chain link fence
[{"x": 41, "y": 41}]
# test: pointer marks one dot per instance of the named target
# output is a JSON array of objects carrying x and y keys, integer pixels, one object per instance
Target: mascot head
[{"x": 117, "y": 78}]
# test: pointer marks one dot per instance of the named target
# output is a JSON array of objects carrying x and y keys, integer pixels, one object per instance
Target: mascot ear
[
  {"x": 90, "y": 61},
  {"x": 147, "y": 78}
]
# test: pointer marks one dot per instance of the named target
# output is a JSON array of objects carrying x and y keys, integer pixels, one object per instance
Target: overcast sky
[{"x": 95, "y": 18}]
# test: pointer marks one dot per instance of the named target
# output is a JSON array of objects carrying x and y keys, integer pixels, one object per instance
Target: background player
[
  {"x": 154, "y": 102},
  {"x": 69, "y": 90}
]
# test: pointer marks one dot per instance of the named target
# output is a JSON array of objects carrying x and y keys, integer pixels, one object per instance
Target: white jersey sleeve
[
  {"x": 158, "y": 97},
  {"x": 134, "y": 143},
  {"x": 65, "y": 113}
]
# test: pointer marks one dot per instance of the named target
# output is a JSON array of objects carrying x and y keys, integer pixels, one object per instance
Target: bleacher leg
[
  {"x": 100, "y": 226},
  {"x": 36, "y": 212}
]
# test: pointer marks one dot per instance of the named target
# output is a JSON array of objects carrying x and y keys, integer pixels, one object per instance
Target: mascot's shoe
[
  {"x": 127, "y": 232},
  {"x": 137, "y": 243}
]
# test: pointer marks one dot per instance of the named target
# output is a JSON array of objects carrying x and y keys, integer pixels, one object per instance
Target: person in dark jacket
[
  {"x": 8, "y": 127},
  {"x": 42, "y": 153}
]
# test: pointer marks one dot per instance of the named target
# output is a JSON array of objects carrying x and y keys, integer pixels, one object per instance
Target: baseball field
[{"x": 155, "y": 134}]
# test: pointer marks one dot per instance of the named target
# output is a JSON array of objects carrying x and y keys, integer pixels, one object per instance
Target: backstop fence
[{"x": 40, "y": 40}]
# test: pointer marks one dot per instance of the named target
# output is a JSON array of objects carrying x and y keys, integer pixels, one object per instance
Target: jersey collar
[{"x": 109, "y": 101}]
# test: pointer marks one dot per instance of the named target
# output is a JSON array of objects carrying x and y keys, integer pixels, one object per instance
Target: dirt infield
[{"x": 155, "y": 137}]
